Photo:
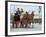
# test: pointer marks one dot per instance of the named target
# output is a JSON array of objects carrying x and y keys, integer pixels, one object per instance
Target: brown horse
[
  {"x": 16, "y": 20},
  {"x": 27, "y": 19}
]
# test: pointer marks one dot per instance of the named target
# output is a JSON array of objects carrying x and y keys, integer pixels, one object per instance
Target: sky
[{"x": 13, "y": 8}]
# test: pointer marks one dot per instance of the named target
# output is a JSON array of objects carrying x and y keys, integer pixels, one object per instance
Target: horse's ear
[{"x": 33, "y": 13}]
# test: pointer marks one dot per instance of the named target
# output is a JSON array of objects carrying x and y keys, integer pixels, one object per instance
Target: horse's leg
[
  {"x": 16, "y": 25},
  {"x": 29, "y": 24},
  {"x": 13, "y": 25},
  {"x": 26, "y": 26},
  {"x": 22, "y": 25}
]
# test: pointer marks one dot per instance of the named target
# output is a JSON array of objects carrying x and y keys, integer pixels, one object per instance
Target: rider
[
  {"x": 17, "y": 16},
  {"x": 17, "y": 12}
]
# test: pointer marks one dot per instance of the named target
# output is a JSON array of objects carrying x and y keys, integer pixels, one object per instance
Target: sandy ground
[{"x": 35, "y": 27}]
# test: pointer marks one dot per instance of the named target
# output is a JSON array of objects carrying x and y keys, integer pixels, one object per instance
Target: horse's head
[{"x": 32, "y": 13}]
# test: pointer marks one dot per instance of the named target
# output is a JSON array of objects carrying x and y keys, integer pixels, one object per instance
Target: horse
[
  {"x": 27, "y": 19},
  {"x": 16, "y": 20}
]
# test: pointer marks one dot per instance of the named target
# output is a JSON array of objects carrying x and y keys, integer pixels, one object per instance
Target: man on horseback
[{"x": 16, "y": 17}]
